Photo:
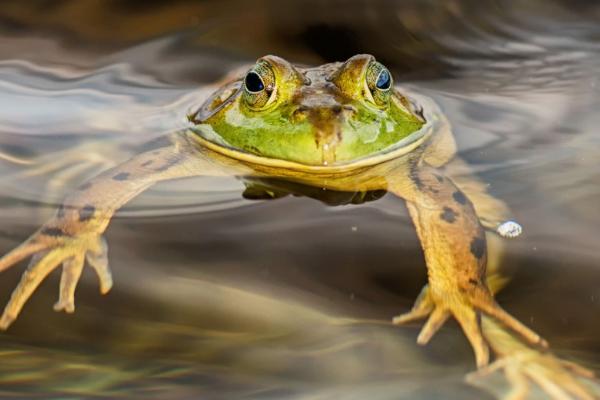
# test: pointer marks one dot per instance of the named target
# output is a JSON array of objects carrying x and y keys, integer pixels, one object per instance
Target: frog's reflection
[{"x": 269, "y": 189}]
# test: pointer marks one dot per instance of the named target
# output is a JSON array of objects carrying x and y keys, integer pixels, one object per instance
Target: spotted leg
[
  {"x": 74, "y": 234},
  {"x": 524, "y": 366},
  {"x": 454, "y": 245}
]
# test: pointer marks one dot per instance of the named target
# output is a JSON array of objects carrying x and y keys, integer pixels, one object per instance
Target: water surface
[{"x": 220, "y": 297}]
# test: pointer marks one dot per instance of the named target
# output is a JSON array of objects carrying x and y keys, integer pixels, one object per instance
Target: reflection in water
[{"x": 206, "y": 302}]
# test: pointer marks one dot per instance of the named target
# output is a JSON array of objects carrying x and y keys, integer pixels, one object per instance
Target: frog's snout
[
  {"x": 327, "y": 121},
  {"x": 318, "y": 114},
  {"x": 323, "y": 114}
]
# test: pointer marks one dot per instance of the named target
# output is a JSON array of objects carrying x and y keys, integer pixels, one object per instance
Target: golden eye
[
  {"x": 379, "y": 81},
  {"x": 259, "y": 85}
]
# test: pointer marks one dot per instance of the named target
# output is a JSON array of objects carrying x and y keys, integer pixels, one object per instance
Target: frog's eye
[
  {"x": 379, "y": 81},
  {"x": 259, "y": 85}
]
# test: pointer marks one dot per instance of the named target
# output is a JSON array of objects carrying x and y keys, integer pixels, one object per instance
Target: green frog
[{"x": 343, "y": 127}]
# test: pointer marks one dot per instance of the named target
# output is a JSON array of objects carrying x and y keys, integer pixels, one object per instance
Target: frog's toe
[
  {"x": 560, "y": 387},
  {"x": 489, "y": 306},
  {"x": 519, "y": 386},
  {"x": 71, "y": 273},
  {"x": 469, "y": 321},
  {"x": 578, "y": 369},
  {"x": 439, "y": 309},
  {"x": 21, "y": 252},
  {"x": 422, "y": 308},
  {"x": 436, "y": 319},
  {"x": 40, "y": 266},
  {"x": 98, "y": 260},
  {"x": 561, "y": 379}
]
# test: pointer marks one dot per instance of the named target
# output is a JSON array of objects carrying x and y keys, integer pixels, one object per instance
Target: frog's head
[{"x": 335, "y": 113}]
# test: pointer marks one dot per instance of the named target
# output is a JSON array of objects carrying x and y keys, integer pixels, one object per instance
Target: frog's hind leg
[
  {"x": 455, "y": 249},
  {"x": 494, "y": 215},
  {"x": 523, "y": 365},
  {"x": 486, "y": 304}
]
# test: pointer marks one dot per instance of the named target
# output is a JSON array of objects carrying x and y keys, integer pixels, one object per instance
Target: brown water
[{"x": 218, "y": 297}]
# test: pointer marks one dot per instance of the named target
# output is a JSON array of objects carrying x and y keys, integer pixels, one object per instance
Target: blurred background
[{"x": 219, "y": 297}]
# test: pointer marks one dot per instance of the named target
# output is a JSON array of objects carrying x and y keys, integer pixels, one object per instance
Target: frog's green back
[{"x": 327, "y": 115}]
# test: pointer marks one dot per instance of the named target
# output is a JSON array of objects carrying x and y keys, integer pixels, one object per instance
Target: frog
[{"x": 343, "y": 127}]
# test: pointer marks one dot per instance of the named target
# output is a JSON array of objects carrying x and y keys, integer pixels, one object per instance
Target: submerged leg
[
  {"x": 74, "y": 234},
  {"x": 454, "y": 244},
  {"x": 523, "y": 365}
]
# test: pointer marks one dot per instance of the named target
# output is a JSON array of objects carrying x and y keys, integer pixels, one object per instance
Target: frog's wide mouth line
[{"x": 434, "y": 120}]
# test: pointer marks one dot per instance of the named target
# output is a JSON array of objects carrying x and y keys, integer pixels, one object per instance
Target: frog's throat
[{"x": 206, "y": 137}]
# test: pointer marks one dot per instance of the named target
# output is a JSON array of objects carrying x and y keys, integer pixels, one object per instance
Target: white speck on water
[
  {"x": 509, "y": 229},
  {"x": 354, "y": 228}
]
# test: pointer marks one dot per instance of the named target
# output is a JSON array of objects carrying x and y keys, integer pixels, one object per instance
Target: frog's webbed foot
[
  {"x": 559, "y": 379},
  {"x": 50, "y": 248},
  {"x": 438, "y": 312},
  {"x": 465, "y": 306}
]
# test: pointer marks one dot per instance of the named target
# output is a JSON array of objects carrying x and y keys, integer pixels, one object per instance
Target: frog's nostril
[{"x": 350, "y": 108}]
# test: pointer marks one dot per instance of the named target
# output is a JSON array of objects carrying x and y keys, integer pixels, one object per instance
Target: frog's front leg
[
  {"x": 454, "y": 244},
  {"x": 74, "y": 234}
]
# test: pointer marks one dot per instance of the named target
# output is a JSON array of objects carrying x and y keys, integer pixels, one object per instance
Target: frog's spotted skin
[{"x": 341, "y": 126}]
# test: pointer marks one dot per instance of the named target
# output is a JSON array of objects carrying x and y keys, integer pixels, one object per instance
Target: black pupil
[
  {"x": 253, "y": 82},
  {"x": 384, "y": 80}
]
